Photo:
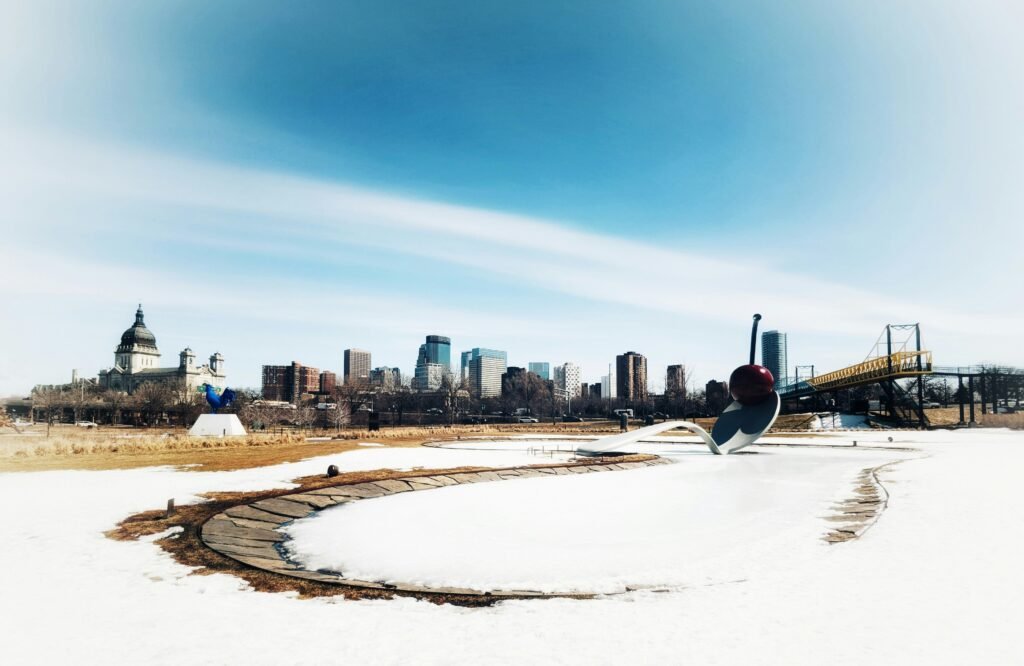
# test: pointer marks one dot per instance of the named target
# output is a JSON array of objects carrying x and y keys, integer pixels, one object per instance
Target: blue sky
[{"x": 563, "y": 180}]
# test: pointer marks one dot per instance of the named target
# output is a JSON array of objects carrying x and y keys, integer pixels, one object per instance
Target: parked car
[
  {"x": 930, "y": 405},
  {"x": 85, "y": 424},
  {"x": 526, "y": 419},
  {"x": 571, "y": 419}
]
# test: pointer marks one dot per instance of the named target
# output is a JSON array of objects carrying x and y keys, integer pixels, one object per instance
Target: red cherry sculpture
[{"x": 751, "y": 384}]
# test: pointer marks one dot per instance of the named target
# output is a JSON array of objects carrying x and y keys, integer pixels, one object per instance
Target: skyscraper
[
  {"x": 567, "y": 378},
  {"x": 774, "y": 356},
  {"x": 464, "y": 365},
  {"x": 631, "y": 372},
  {"x": 675, "y": 380},
  {"x": 485, "y": 369},
  {"x": 357, "y": 366},
  {"x": 541, "y": 369},
  {"x": 433, "y": 362}
]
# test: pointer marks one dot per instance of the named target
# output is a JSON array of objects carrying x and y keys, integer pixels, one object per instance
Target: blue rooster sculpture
[{"x": 218, "y": 401}]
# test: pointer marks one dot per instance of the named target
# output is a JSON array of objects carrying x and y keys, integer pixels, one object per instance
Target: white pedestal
[{"x": 217, "y": 425}]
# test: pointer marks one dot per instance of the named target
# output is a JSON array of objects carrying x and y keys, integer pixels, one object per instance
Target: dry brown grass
[
  {"x": 1012, "y": 421},
  {"x": 116, "y": 448},
  {"x": 188, "y": 548}
]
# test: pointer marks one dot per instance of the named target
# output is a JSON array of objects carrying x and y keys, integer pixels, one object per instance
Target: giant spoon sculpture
[{"x": 753, "y": 411}]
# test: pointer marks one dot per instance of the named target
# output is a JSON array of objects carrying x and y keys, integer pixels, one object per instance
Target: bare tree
[
  {"x": 452, "y": 390},
  {"x": 350, "y": 398},
  {"x": 46, "y": 399},
  {"x": 189, "y": 403},
  {"x": 114, "y": 400},
  {"x": 305, "y": 414},
  {"x": 152, "y": 399}
]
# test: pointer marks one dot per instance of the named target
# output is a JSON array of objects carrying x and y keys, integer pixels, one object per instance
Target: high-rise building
[
  {"x": 567, "y": 378},
  {"x": 386, "y": 378},
  {"x": 595, "y": 390},
  {"x": 716, "y": 394},
  {"x": 631, "y": 373},
  {"x": 508, "y": 377},
  {"x": 433, "y": 362},
  {"x": 357, "y": 366},
  {"x": 584, "y": 390},
  {"x": 464, "y": 366},
  {"x": 486, "y": 367},
  {"x": 328, "y": 382},
  {"x": 288, "y": 383},
  {"x": 675, "y": 380},
  {"x": 541, "y": 369},
  {"x": 774, "y": 357},
  {"x": 608, "y": 386}
]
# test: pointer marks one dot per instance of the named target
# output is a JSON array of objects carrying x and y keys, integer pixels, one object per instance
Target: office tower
[
  {"x": 464, "y": 365},
  {"x": 567, "y": 378},
  {"x": 508, "y": 386},
  {"x": 288, "y": 383},
  {"x": 716, "y": 395},
  {"x": 631, "y": 372},
  {"x": 675, "y": 380},
  {"x": 541, "y": 369},
  {"x": 357, "y": 366},
  {"x": 386, "y": 378},
  {"x": 774, "y": 356},
  {"x": 485, "y": 369},
  {"x": 433, "y": 363}
]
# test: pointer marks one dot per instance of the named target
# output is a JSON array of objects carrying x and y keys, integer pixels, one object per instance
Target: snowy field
[{"x": 735, "y": 541}]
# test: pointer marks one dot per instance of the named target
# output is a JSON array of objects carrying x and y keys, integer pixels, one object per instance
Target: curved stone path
[{"x": 253, "y": 533}]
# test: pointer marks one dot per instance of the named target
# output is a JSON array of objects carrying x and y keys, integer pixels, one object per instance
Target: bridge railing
[{"x": 899, "y": 364}]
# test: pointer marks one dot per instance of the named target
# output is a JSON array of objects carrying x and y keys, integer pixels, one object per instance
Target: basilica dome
[{"x": 138, "y": 334}]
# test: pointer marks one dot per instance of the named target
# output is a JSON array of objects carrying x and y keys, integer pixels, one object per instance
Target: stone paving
[{"x": 253, "y": 533}]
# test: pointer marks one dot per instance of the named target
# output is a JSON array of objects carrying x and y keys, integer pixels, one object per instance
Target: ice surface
[{"x": 702, "y": 521}]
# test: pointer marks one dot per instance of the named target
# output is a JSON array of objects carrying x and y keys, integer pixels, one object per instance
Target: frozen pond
[{"x": 705, "y": 520}]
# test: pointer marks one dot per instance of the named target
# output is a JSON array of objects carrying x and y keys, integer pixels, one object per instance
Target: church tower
[{"x": 137, "y": 350}]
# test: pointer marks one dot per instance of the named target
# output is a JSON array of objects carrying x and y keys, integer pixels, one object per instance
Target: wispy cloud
[
  {"x": 547, "y": 254},
  {"x": 637, "y": 288}
]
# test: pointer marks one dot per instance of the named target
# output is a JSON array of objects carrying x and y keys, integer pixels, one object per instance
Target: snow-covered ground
[
  {"x": 936, "y": 580},
  {"x": 705, "y": 521}
]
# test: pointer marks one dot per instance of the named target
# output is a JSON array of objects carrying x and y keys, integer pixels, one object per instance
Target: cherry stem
[{"x": 753, "y": 338}]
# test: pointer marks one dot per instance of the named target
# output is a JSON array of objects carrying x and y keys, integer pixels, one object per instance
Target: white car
[
  {"x": 85, "y": 424},
  {"x": 526, "y": 419}
]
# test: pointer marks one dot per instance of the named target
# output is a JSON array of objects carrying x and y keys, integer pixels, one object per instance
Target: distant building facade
[
  {"x": 595, "y": 390},
  {"x": 386, "y": 378},
  {"x": 631, "y": 375},
  {"x": 357, "y": 366},
  {"x": 433, "y": 362},
  {"x": 508, "y": 378},
  {"x": 675, "y": 380},
  {"x": 567, "y": 378},
  {"x": 289, "y": 383},
  {"x": 137, "y": 362},
  {"x": 774, "y": 355},
  {"x": 486, "y": 366},
  {"x": 541, "y": 369},
  {"x": 328, "y": 382},
  {"x": 716, "y": 395}
]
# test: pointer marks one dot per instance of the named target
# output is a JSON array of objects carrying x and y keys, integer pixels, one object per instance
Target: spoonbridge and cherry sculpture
[{"x": 754, "y": 409}]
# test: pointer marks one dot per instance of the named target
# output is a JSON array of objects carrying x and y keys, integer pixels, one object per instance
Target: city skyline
[{"x": 555, "y": 183}]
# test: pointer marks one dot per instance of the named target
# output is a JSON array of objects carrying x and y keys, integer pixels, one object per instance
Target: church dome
[{"x": 138, "y": 334}]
